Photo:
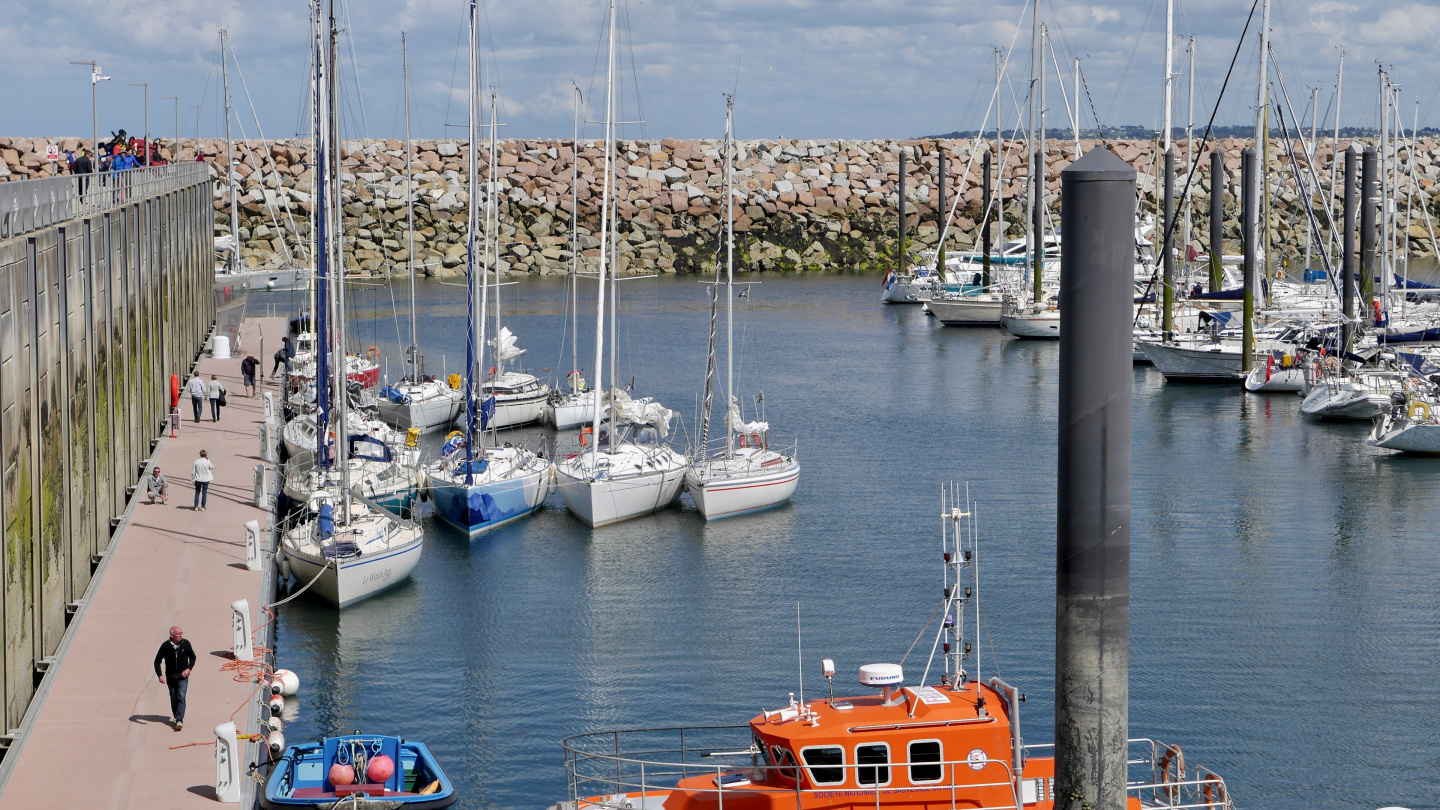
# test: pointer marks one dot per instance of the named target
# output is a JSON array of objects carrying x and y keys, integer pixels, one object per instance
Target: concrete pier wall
[{"x": 96, "y": 312}]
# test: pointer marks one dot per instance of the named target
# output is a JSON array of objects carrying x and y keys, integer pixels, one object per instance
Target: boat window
[
  {"x": 925, "y": 762},
  {"x": 646, "y": 435},
  {"x": 872, "y": 760},
  {"x": 786, "y": 760},
  {"x": 826, "y": 764}
]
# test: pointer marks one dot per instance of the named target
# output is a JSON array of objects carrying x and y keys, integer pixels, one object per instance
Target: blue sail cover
[
  {"x": 326, "y": 521},
  {"x": 369, "y": 448},
  {"x": 395, "y": 395}
]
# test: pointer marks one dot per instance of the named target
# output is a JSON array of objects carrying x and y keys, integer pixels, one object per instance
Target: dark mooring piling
[{"x": 1092, "y": 622}]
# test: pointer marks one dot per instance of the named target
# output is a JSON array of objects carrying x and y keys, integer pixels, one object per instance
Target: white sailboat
[
  {"x": 576, "y": 407},
  {"x": 476, "y": 487},
  {"x": 746, "y": 473},
  {"x": 627, "y": 470},
  {"x": 416, "y": 401},
  {"x": 341, "y": 547}
]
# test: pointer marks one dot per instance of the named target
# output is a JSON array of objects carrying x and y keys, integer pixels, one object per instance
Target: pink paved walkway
[{"x": 103, "y": 735}]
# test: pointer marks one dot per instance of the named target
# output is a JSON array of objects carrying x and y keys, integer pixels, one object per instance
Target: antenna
[{"x": 800, "y": 652}]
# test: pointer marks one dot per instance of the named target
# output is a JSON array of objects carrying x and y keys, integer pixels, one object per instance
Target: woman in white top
[
  {"x": 202, "y": 474},
  {"x": 217, "y": 393}
]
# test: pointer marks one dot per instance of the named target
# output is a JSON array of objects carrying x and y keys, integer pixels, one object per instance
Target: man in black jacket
[
  {"x": 83, "y": 167},
  {"x": 178, "y": 657}
]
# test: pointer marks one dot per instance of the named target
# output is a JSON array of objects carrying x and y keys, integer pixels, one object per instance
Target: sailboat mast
[
  {"x": 472, "y": 336},
  {"x": 1189, "y": 156},
  {"x": 342, "y": 421},
  {"x": 1031, "y": 236},
  {"x": 1384, "y": 268},
  {"x": 575, "y": 244},
  {"x": 1169, "y": 71},
  {"x": 415, "y": 368},
  {"x": 999, "y": 169},
  {"x": 492, "y": 228},
  {"x": 604, "y": 235},
  {"x": 729, "y": 274},
  {"x": 1335, "y": 147},
  {"x": 229, "y": 152},
  {"x": 1256, "y": 186},
  {"x": 319, "y": 315}
]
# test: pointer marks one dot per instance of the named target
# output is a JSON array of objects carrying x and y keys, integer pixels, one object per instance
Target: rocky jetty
[{"x": 799, "y": 204}]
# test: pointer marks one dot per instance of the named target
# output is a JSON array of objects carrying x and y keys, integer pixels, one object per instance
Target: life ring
[
  {"x": 373, "y": 352},
  {"x": 174, "y": 390},
  {"x": 585, "y": 436},
  {"x": 1375, "y": 305},
  {"x": 1419, "y": 410},
  {"x": 741, "y": 440},
  {"x": 1332, "y": 363},
  {"x": 1170, "y": 786},
  {"x": 755, "y": 440},
  {"x": 1214, "y": 794}
]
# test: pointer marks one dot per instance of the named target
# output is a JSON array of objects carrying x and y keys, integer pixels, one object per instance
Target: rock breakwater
[{"x": 798, "y": 205}]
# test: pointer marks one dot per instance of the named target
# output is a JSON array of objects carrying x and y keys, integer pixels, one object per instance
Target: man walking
[
  {"x": 201, "y": 474},
  {"x": 83, "y": 167},
  {"x": 198, "y": 391},
  {"x": 178, "y": 657},
  {"x": 248, "y": 367}
]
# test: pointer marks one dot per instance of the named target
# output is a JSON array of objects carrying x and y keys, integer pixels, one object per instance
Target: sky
[{"x": 852, "y": 69}]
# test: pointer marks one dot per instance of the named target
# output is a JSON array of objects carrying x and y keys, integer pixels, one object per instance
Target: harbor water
[{"x": 1284, "y": 625}]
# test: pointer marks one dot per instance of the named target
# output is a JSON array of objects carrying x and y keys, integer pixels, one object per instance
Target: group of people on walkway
[{"x": 176, "y": 657}]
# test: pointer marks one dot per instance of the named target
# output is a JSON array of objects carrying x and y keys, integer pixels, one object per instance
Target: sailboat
[
  {"x": 476, "y": 487},
  {"x": 573, "y": 409},
  {"x": 947, "y": 741},
  {"x": 417, "y": 400},
  {"x": 343, "y": 548},
  {"x": 624, "y": 468},
  {"x": 745, "y": 474}
]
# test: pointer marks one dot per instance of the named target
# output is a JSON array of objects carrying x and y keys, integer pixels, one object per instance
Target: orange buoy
[{"x": 380, "y": 770}]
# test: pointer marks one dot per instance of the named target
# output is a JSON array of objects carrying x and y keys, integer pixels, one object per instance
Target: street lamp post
[
  {"x": 175, "y": 153},
  {"x": 146, "y": 85},
  {"x": 95, "y": 79}
]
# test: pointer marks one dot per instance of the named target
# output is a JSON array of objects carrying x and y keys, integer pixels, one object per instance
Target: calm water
[{"x": 1285, "y": 577}]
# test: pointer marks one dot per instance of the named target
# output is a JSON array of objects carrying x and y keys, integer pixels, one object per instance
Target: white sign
[{"x": 52, "y": 152}]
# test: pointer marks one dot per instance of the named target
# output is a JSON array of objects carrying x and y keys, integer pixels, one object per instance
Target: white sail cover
[
  {"x": 504, "y": 344},
  {"x": 225, "y": 244},
  {"x": 641, "y": 410},
  {"x": 738, "y": 425}
]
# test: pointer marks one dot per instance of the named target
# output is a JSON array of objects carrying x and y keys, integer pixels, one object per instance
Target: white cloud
[{"x": 841, "y": 68}]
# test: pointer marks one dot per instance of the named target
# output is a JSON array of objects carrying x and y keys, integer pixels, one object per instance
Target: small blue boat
[{"x": 301, "y": 778}]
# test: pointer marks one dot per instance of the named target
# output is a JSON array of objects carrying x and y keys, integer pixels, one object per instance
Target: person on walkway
[
  {"x": 179, "y": 658},
  {"x": 248, "y": 367},
  {"x": 83, "y": 167},
  {"x": 201, "y": 474},
  {"x": 156, "y": 487},
  {"x": 283, "y": 355},
  {"x": 198, "y": 391},
  {"x": 217, "y": 398}
]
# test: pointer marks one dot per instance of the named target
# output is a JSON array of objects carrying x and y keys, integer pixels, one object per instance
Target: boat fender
[
  {"x": 273, "y": 724},
  {"x": 277, "y": 704},
  {"x": 283, "y": 560},
  {"x": 433, "y": 787},
  {"x": 1419, "y": 410},
  {"x": 341, "y": 774},
  {"x": 553, "y": 478},
  {"x": 275, "y": 741},
  {"x": 380, "y": 769},
  {"x": 284, "y": 682}
]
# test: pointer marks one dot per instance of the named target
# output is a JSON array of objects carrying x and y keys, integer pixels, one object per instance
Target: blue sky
[{"x": 805, "y": 68}]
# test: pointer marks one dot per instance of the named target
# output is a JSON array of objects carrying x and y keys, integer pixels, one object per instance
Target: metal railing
[
  {"x": 622, "y": 769},
  {"x": 711, "y": 463},
  {"x": 29, "y": 205}
]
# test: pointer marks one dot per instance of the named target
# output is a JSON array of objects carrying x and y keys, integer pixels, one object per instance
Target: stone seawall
[{"x": 799, "y": 204}]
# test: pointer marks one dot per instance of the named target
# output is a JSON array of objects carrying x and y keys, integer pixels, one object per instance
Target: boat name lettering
[
  {"x": 846, "y": 794},
  {"x": 376, "y": 577}
]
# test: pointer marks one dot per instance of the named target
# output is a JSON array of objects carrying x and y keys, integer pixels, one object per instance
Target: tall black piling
[
  {"x": 1369, "y": 207},
  {"x": 988, "y": 220},
  {"x": 1249, "y": 208},
  {"x": 1167, "y": 321},
  {"x": 1348, "y": 269},
  {"x": 944, "y": 212},
  {"x": 1092, "y": 532},
  {"x": 1217, "y": 220}
]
